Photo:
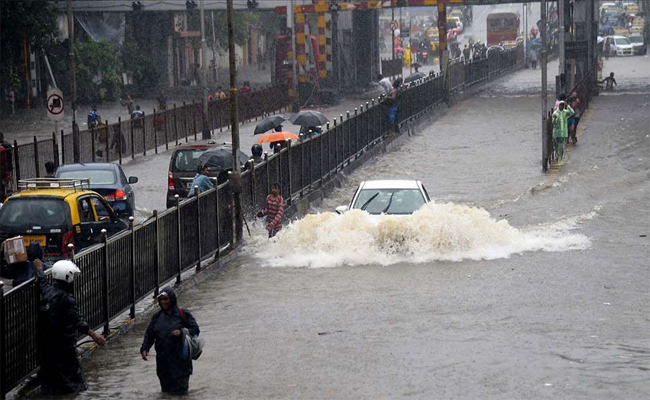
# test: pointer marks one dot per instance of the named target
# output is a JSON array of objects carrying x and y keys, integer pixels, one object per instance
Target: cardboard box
[{"x": 14, "y": 250}]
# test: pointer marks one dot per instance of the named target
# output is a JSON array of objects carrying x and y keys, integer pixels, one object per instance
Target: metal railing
[
  {"x": 115, "y": 141},
  {"x": 128, "y": 267}
]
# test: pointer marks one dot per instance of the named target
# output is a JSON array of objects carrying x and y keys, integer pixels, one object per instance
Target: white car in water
[{"x": 388, "y": 197}]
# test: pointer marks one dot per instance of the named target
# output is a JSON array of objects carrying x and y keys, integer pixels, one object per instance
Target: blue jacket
[{"x": 203, "y": 182}]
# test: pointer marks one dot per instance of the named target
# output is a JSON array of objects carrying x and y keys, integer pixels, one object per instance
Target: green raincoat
[{"x": 560, "y": 124}]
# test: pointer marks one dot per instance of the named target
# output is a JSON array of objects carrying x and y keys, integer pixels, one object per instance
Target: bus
[{"x": 502, "y": 28}]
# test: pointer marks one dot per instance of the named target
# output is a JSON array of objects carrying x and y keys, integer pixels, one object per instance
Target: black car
[{"x": 107, "y": 179}]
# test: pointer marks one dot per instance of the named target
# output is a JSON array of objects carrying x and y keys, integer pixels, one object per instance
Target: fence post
[
  {"x": 322, "y": 155},
  {"x": 155, "y": 132},
  {"x": 175, "y": 126},
  {"x": 198, "y": 224},
  {"x": 268, "y": 173},
  {"x": 164, "y": 114},
  {"x": 290, "y": 181},
  {"x": 185, "y": 121},
  {"x": 178, "y": 241},
  {"x": 132, "y": 269},
  {"x": 253, "y": 183},
  {"x": 105, "y": 315},
  {"x": 216, "y": 204},
  {"x": 336, "y": 149},
  {"x": 107, "y": 143},
  {"x": 194, "y": 120},
  {"x": 144, "y": 134},
  {"x": 16, "y": 162},
  {"x": 62, "y": 148},
  {"x": 349, "y": 139},
  {"x": 55, "y": 150},
  {"x": 157, "y": 260},
  {"x": 302, "y": 164},
  {"x": 280, "y": 169},
  {"x": 36, "y": 161},
  {"x": 3, "y": 353},
  {"x": 132, "y": 141},
  {"x": 120, "y": 139}
]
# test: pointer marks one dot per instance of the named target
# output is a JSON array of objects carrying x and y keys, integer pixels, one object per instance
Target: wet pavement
[{"x": 531, "y": 285}]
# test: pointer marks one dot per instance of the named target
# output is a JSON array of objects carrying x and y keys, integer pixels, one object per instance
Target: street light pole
[
  {"x": 543, "y": 60},
  {"x": 73, "y": 83},
  {"x": 294, "y": 65},
  {"x": 205, "y": 130},
  {"x": 392, "y": 36},
  {"x": 562, "y": 64},
  {"x": 235, "y": 178}
]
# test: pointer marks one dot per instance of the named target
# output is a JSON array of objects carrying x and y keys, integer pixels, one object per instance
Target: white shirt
[{"x": 386, "y": 84}]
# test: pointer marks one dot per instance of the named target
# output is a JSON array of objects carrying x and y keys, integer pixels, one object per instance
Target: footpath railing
[
  {"x": 585, "y": 90},
  {"x": 122, "y": 139},
  {"x": 132, "y": 265}
]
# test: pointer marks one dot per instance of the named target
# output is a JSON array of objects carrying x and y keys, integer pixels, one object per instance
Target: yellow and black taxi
[{"x": 55, "y": 213}]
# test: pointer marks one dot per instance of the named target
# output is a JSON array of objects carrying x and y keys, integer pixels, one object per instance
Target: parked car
[
  {"x": 388, "y": 197},
  {"x": 56, "y": 213},
  {"x": 107, "y": 179},
  {"x": 620, "y": 46},
  {"x": 638, "y": 44},
  {"x": 459, "y": 23},
  {"x": 182, "y": 169}
]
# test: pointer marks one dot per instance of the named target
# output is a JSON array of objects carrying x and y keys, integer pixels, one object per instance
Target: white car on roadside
[
  {"x": 620, "y": 46},
  {"x": 388, "y": 197}
]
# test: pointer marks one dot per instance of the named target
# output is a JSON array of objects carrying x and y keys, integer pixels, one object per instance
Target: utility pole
[
  {"x": 214, "y": 48},
  {"x": 443, "y": 53},
  {"x": 235, "y": 177},
  {"x": 543, "y": 60},
  {"x": 392, "y": 36},
  {"x": 562, "y": 64},
  {"x": 294, "y": 65},
  {"x": 205, "y": 130},
  {"x": 73, "y": 83}
]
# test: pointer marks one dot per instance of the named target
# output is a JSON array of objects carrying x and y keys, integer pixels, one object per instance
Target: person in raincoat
[
  {"x": 407, "y": 57},
  {"x": 59, "y": 322},
  {"x": 165, "y": 331},
  {"x": 560, "y": 128}
]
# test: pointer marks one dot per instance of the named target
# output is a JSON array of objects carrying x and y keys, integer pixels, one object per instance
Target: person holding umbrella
[
  {"x": 201, "y": 180},
  {"x": 273, "y": 122}
]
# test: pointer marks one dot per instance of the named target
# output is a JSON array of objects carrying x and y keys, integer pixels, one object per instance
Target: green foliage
[{"x": 96, "y": 60}]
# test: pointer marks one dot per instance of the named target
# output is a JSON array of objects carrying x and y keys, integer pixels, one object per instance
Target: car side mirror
[
  {"x": 133, "y": 179},
  {"x": 341, "y": 209}
]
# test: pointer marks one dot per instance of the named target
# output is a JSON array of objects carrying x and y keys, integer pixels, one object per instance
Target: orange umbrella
[{"x": 276, "y": 137}]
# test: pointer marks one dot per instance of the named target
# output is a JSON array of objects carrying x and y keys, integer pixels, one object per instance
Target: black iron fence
[
  {"x": 131, "y": 265},
  {"x": 113, "y": 141}
]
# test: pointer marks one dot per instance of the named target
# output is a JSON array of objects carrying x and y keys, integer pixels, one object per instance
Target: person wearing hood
[
  {"x": 560, "y": 127},
  {"x": 165, "y": 331},
  {"x": 60, "y": 320}
]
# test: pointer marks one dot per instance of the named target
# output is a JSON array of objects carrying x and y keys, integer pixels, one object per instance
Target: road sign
[
  {"x": 576, "y": 50},
  {"x": 405, "y": 33},
  {"x": 55, "y": 104},
  {"x": 393, "y": 25}
]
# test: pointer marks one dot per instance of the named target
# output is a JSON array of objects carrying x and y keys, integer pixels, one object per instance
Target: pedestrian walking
[
  {"x": 246, "y": 88},
  {"x": 220, "y": 94},
  {"x": 274, "y": 211},
  {"x": 6, "y": 167},
  {"x": 201, "y": 180},
  {"x": 162, "y": 102},
  {"x": 533, "y": 58},
  {"x": 256, "y": 151},
  {"x": 384, "y": 82},
  {"x": 93, "y": 118},
  {"x": 607, "y": 48},
  {"x": 574, "y": 102},
  {"x": 165, "y": 332},
  {"x": 59, "y": 322},
  {"x": 560, "y": 128},
  {"x": 466, "y": 53},
  {"x": 128, "y": 103},
  {"x": 609, "y": 82},
  {"x": 391, "y": 102}
]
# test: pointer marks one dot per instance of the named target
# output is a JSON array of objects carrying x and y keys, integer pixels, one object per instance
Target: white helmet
[{"x": 64, "y": 270}]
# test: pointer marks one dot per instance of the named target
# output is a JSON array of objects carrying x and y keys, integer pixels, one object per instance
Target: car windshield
[
  {"x": 27, "y": 213},
  {"x": 636, "y": 39},
  {"x": 187, "y": 160},
  {"x": 389, "y": 201},
  {"x": 96, "y": 176},
  {"x": 621, "y": 41}
]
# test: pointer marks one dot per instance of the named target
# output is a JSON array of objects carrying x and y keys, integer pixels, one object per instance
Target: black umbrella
[
  {"x": 416, "y": 65},
  {"x": 220, "y": 158},
  {"x": 309, "y": 118},
  {"x": 414, "y": 77},
  {"x": 269, "y": 123}
]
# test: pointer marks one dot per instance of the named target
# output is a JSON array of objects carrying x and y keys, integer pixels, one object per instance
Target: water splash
[{"x": 445, "y": 232}]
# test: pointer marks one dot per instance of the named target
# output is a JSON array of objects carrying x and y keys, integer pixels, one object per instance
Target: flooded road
[{"x": 522, "y": 285}]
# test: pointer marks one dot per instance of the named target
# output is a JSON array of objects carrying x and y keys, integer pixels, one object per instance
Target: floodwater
[{"x": 512, "y": 284}]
